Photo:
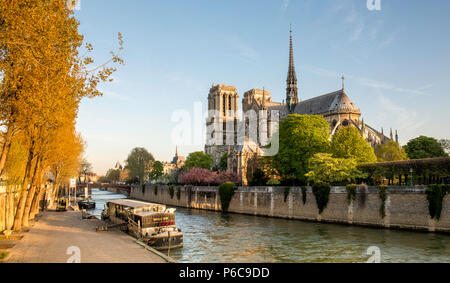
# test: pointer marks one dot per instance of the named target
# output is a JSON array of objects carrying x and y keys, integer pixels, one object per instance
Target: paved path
[{"x": 49, "y": 240}]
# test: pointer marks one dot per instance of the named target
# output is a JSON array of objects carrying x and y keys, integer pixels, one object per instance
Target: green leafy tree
[
  {"x": 348, "y": 143},
  {"x": 390, "y": 151},
  {"x": 326, "y": 169},
  {"x": 198, "y": 159},
  {"x": 157, "y": 171},
  {"x": 445, "y": 143},
  {"x": 301, "y": 136},
  {"x": 424, "y": 147},
  {"x": 113, "y": 175},
  {"x": 139, "y": 163},
  {"x": 85, "y": 168},
  {"x": 259, "y": 178}
]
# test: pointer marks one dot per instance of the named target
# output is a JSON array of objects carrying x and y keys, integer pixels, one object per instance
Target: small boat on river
[
  {"x": 86, "y": 204},
  {"x": 154, "y": 224}
]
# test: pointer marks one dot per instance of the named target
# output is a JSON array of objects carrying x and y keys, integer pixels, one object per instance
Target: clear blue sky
[{"x": 396, "y": 62}]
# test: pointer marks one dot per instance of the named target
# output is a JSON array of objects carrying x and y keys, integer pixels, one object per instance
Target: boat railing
[{"x": 134, "y": 228}]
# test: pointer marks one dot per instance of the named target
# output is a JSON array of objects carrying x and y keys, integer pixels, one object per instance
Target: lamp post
[{"x": 411, "y": 171}]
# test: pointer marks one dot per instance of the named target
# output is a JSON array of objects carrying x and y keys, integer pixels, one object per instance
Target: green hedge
[
  {"x": 287, "y": 191},
  {"x": 179, "y": 193},
  {"x": 351, "y": 193},
  {"x": 304, "y": 194},
  {"x": 383, "y": 196},
  {"x": 226, "y": 192},
  {"x": 171, "y": 191},
  {"x": 435, "y": 196},
  {"x": 322, "y": 193},
  {"x": 273, "y": 182},
  {"x": 426, "y": 170}
]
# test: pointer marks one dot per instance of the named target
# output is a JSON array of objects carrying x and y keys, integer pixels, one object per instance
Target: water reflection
[{"x": 213, "y": 237}]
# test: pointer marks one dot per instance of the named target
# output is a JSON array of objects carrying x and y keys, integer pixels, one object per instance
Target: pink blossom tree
[
  {"x": 198, "y": 176},
  {"x": 227, "y": 176}
]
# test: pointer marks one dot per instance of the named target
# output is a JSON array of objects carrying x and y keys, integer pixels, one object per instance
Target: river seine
[{"x": 212, "y": 237}]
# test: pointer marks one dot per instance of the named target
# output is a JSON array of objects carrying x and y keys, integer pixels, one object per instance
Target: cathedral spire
[{"x": 291, "y": 90}]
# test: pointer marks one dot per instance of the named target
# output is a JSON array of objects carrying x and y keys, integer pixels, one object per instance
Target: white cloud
[
  {"x": 391, "y": 38},
  {"x": 425, "y": 87},
  {"x": 352, "y": 16},
  {"x": 243, "y": 49},
  {"x": 368, "y": 82},
  {"x": 358, "y": 31},
  {"x": 408, "y": 121},
  {"x": 322, "y": 72},
  {"x": 285, "y": 5},
  {"x": 187, "y": 82},
  {"x": 387, "y": 86}
]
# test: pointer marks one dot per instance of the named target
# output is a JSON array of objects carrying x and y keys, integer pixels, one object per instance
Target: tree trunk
[
  {"x": 20, "y": 207},
  {"x": 55, "y": 194},
  {"x": 4, "y": 153},
  {"x": 31, "y": 193},
  {"x": 27, "y": 206},
  {"x": 36, "y": 200},
  {"x": 23, "y": 196}
]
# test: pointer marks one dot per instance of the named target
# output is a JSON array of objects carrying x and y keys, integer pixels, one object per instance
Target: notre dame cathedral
[{"x": 228, "y": 134}]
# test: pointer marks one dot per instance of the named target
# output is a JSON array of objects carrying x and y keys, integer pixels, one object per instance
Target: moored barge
[
  {"x": 152, "y": 223},
  {"x": 86, "y": 204}
]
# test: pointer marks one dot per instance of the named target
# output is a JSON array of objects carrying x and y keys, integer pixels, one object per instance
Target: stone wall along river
[{"x": 406, "y": 208}]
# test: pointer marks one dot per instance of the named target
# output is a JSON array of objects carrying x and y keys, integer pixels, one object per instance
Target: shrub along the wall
[
  {"x": 322, "y": 193},
  {"x": 383, "y": 196},
  {"x": 435, "y": 196},
  {"x": 351, "y": 193},
  {"x": 226, "y": 192},
  {"x": 304, "y": 191},
  {"x": 171, "y": 191},
  {"x": 287, "y": 191},
  {"x": 179, "y": 193},
  {"x": 273, "y": 182}
]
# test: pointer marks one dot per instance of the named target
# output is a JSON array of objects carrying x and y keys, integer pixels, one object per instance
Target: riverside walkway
[{"x": 58, "y": 236}]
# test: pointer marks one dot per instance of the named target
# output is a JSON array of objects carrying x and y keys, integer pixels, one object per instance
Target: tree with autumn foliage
[{"x": 43, "y": 79}]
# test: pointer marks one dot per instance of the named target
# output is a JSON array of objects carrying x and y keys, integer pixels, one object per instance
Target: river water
[{"x": 213, "y": 237}]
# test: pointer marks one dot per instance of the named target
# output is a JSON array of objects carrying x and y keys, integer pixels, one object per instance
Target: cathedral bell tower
[
  {"x": 222, "y": 122},
  {"x": 291, "y": 90}
]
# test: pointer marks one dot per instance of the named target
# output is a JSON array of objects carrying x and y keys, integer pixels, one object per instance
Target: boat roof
[
  {"x": 148, "y": 213},
  {"x": 132, "y": 203}
]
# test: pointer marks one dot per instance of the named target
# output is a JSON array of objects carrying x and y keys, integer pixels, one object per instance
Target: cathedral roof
[{"x": 334, "y": 101}]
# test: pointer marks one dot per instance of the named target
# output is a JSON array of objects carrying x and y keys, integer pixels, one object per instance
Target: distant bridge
[{"x": 120, "y": 189}]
